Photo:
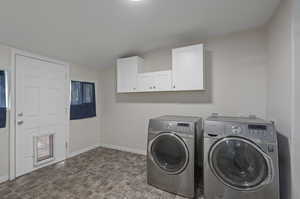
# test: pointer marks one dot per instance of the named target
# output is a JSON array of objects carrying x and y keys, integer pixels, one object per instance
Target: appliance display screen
[
  {"x": 257, "y": 127},
  {"x": 183, "y": 124}
]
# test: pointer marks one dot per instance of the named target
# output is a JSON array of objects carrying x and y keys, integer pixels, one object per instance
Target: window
[
  {"x": 2, "y": 100},
  {"x": 83, "y": 102}
]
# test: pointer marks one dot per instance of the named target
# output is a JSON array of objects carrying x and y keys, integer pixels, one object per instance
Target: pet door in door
[{"x": 43, "y": 149}]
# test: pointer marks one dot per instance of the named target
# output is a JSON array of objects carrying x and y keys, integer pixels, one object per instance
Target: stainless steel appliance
[
  {"x": 240, "y": 158},
  {"x": 171, "y": 153}
]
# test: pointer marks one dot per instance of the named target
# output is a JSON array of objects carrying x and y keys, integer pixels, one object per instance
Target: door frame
[{"x": 12, "y": 105}]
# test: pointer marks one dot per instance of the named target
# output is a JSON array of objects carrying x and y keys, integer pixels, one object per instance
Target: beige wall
[
  {"x": 279, "y": 70},
  {"x": 280, "y": 87},
  {"x": 85, "y": 133},
  {"x": 296, "y": 108},
  {"x": 5, "y": 64},
  {"x": 236, "y": 72}
]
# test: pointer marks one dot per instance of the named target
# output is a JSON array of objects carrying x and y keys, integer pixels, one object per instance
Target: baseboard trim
[
  {"x": 3, "y": 179},
  {"x": 75, "y": 153},
  {"x": 125, "y": 149}
]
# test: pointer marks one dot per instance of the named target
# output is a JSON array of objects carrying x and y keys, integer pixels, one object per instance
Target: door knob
[{"x": 20, "y": 122}]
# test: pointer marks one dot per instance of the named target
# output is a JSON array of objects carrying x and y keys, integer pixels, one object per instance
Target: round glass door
[
  {"x": 169, "y": 153},
  {"x": 239, "y": 163}
]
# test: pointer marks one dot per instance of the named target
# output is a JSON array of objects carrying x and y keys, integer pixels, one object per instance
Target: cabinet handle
[
  {"x": 154, "y": 87},
  {"x": 174, "y": 86}
]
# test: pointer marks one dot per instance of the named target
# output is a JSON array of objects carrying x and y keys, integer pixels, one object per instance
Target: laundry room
[{"x": 149, "y": 99}]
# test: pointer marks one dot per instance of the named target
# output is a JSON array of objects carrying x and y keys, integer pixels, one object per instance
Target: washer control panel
[
  {"x": 257, "y": 129},
  {"x": 250, "y": 130}
]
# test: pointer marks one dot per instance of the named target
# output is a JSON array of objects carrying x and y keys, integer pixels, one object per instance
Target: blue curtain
[
  {"x": 2, "y": 100},
  {"x": 83, "y": 100}
]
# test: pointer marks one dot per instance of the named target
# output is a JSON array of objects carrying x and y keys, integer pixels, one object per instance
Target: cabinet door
[
  {"x": 127, "y": 70},
  {"x": 145, "y": 82},
  {"x": 188, "y": 68},
  {"x": 163, "y": 81}
]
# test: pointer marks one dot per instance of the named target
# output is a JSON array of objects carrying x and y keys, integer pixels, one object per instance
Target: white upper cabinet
[
  {"x": 163, "y": 80},
  {"x": 155, "y": 81},
  {"x": 145, "y": 82},
  {"x": 187, "y": 73},
  {"x": 188, "y": 68},
  {"x": 127, "y": 71}
]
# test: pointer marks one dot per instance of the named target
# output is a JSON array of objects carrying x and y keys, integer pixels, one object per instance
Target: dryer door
[
  {"x": 169, "y": 152},
  {"x": 240, "y": 164}
]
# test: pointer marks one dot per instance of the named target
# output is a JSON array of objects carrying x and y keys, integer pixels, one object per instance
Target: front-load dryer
[
  {"x": 240, "y": 159},
  {"x": 171, "y": 153}
]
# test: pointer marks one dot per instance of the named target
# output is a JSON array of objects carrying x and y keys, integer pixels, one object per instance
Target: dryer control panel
[
  {"x": 183, "y": 127},
  {"x": 180, "y": 127}
]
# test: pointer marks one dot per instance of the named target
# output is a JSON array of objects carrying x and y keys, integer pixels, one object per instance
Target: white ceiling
[{"x": 95, "y": 32}]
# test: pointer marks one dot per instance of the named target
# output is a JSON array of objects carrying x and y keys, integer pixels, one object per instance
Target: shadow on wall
[
  {"x": 204, "y": 97},
  {"x": 284, "y": 166}
]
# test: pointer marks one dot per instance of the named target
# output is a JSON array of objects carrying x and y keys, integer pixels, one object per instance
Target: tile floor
[{"x": 98, "y": 174}]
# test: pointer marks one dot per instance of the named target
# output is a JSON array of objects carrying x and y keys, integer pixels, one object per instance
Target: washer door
[
  {"x": 169, "y": 152},
  {"x": 240, "y": 164}
]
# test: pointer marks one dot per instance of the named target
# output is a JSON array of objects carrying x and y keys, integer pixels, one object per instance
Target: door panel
[
  {"x": 155, "y": 81},
  {"x": 145, "y": 82},
  {"x": 169, "y": 153},
  {"x": 163, "y": 81},
  {"x": 41, "y": 102},
  {"x": 127, "y": 71},
  {"x": 188, "y": 68},
  {"x": 31, "y": 100},
  {"x": 239, "y": 163}
]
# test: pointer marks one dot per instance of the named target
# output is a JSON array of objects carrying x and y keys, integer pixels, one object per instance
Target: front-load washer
[
  {"x": 240, "y": 158},
  {"x": 171, "y": 153}
]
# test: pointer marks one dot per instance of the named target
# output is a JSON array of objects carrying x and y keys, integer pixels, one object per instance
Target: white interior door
[{"x": 41, "y": 113}]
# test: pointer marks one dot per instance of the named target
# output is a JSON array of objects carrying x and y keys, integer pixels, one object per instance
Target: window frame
[
  {"x": 3, "y": 109},
  {"x": 83, "y": 110}
]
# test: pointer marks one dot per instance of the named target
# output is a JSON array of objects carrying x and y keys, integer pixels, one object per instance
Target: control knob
[{"x": 236, "y": 129}]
